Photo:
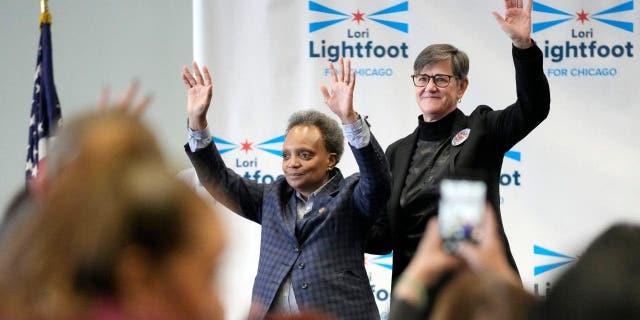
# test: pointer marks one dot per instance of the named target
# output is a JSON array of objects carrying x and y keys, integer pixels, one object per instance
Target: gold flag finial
[
  {"x": 45, "y": 16},
  {"x": 44, "y": 6}
]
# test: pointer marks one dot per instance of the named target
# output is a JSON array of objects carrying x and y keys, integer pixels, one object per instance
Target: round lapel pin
[{"x": 460, "y": 137}]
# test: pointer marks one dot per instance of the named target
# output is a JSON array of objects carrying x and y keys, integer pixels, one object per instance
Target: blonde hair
[{"x": 114, "y": 192}]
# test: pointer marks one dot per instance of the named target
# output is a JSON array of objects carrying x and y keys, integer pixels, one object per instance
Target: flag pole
[
  {"x": 45, "y": 106},
  {"x": 45, "y": 15}
]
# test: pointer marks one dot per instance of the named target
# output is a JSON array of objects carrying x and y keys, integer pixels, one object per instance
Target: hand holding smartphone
[{"x": 460, "y": 210}]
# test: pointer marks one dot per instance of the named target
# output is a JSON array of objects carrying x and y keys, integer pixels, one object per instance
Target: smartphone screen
[{"x": 460, "y": 210}]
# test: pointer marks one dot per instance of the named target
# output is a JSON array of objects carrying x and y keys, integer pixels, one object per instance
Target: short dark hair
[
  {"x": 329, "y": 128},
  {"x": 441, "y": 52}
]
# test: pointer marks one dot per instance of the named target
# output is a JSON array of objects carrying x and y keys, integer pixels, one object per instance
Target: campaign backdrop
[{"x": 563, "y": 184}]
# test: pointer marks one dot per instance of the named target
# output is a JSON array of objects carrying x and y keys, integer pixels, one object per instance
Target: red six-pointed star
[
  {"x": 358, "y": 16},
  {"x": 582, "y": 16},
  {"x": 246, "y": 146}
]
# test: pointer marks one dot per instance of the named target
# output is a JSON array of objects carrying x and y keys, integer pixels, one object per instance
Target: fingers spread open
[
  {"x": 196, "y": 70},
  {"x": 207, "y": 75},
  {"x": 103, "y": 101},
  {"x": 347, "y": 71},
  {"x": 127, "y": 98},
  {"x": 498, "y": 17},
  {"x": 332, "y": 72},
  {"x": 325, "y": 92},
  {"x": 142, "y": 105},
  {"x": 341, "y": 74},
  {"x": 353, "y": 79},
  {"x": 188, "y": 77}
]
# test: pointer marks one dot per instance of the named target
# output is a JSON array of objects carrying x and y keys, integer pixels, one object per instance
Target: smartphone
[{"x": 460, "y": 209}]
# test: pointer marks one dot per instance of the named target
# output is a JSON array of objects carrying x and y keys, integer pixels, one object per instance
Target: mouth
[{"x": 294, "y": 175}]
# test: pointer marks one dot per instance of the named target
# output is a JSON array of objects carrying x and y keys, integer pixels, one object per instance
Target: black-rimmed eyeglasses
[{"x": 440, "y": 80}]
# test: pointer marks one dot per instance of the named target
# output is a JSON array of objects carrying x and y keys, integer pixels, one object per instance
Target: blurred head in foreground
[
  {"x": 603, "y": 284},
  {"x": 116, "y": 233},
  {"x": 482, "y": 296}
]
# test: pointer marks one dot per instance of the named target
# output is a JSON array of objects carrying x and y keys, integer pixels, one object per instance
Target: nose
[
  {"x": 431, "y": 85},
  {"x": 293, "y": 162}
]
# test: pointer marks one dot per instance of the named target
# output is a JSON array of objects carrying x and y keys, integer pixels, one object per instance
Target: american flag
[{"x": 45, "y": 107}]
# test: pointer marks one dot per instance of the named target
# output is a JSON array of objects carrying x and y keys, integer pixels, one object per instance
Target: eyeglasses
[{"x": 440, "y": 80}]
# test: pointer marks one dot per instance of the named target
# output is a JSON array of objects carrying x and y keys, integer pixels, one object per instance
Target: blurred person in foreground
[
  {"x": 603, "y": 284},
  {"x": 22, "y": 204},
  {"x": 116, "y": 236},
  {"x": 447, "y": 142},
  {"x": 64, "y": 149},
  {"x": 484, "y": 286},
  {"x": 314, "y": 220},
  {"x": 69, "y": 137}
]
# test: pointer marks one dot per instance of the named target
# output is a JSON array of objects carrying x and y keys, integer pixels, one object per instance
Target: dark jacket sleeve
[
  {"x": 379, "y": 239},
  {"x": 373, "y": 189},
  {"x": 533, "y": 100},
  {"x": 240, "y": 195}
]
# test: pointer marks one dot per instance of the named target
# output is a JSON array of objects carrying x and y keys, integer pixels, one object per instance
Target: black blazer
[{"x": 492, "y": 133}]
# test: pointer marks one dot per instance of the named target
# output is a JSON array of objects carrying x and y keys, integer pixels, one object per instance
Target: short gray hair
[
  {"x": 329, "y": 128},
  {"x": 440, "y": 52}
]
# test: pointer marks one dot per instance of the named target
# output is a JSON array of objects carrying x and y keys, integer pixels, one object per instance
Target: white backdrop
[{"x": 566, "y": 182}]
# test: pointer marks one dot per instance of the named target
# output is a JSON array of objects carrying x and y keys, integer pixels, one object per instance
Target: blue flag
[{"x": 45, "y": 107}]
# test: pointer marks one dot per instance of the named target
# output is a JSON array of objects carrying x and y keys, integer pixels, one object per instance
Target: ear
[
  {"x": 462, "y": 87},
  {"x": 333, "y": 160}
]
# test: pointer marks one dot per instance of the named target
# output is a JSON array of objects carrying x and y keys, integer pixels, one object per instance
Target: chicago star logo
[
  {"x": 245, "y": 146},
  {"x": 582, "y": 17},
  {"x": 359, "y": 17}
]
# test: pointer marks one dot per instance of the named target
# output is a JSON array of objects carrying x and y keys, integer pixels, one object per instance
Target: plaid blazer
[{"x": 324, "y": 253}]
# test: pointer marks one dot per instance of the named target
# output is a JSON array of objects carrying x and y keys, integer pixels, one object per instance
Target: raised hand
[
  {"x": 430, "y": 260},
  {"x": 488, "y": 255},
  {"x": 126, "y": 101},
  {"x": 429, "y": 263},
  {"x": 199, "y": 92},
  {"x": 340, "y": 99},
  {"x": 516, "y": 22}
]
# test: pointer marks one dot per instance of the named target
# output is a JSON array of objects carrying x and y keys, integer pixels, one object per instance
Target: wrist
[
  {"x": 424, "y": 274},
  {"x": 504, "y": 270},
  {"x": 411, "y": 290},
  {"x": 197, "y": 124},
  {"x": 350, "y": 118},
  {"x": 523, "y": 44}
]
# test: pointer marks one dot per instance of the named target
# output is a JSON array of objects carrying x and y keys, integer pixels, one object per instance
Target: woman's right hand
[{"x": 199, "y": 90}]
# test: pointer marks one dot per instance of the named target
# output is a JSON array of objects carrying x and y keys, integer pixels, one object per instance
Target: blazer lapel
[
  {"x": 290, "y": 217},
  {"x": 311, "y": 225},
  {"x": 401, "y": 162},
  {"x": 460, "y": 123},
  {"x": 287, "y": 211}
]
